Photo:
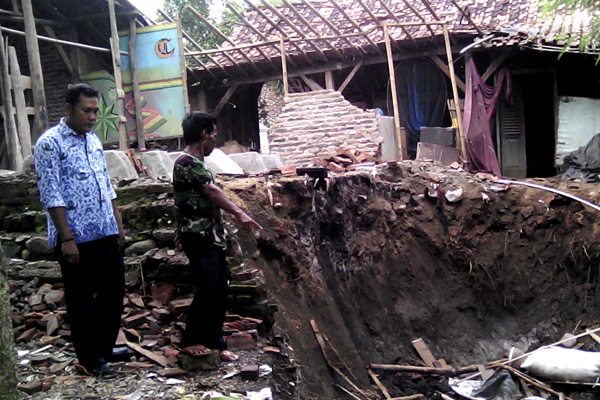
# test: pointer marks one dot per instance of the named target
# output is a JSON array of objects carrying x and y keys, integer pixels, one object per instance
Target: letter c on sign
[{"x": 161, "y": 48}]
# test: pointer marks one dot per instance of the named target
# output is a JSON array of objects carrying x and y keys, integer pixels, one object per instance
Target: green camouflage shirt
[{"x": 195, "y": 211}]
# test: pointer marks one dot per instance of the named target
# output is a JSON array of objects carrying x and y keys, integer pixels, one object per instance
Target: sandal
[
  {"x": 227, "y": 355},
  {"x": 195, "y": 350}
]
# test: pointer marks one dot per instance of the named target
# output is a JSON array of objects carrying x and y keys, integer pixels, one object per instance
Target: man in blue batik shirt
[{"x": 84, "y": 227}]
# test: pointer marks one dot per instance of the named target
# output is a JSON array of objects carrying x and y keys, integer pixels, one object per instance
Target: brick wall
[{"x": 315, "y": 125}]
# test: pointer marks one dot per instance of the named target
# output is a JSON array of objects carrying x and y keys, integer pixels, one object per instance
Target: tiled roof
[{"x": 351, "y": 29}]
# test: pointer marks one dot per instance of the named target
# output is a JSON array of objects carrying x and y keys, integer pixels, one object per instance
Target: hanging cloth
[{"x": 480, "y": 104}]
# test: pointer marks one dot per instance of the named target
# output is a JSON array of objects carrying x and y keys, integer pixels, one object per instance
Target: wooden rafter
[
  {"x": 355, "y": 25},
  {"x": 294, "y": 28},
  {"x": 350, "y": 76},
  {"x": 221, "y": 34},
  {"x": 196, "y": 45},
  {"x": 278, "y": 28},
  {"x": 468, "y": 17},
  {"x": 395, "y": 18},
  {"x": 331, "y": 26},
  {"x": 418, "y": 15},
  {"x": 310, "y": 27},
  {"x": 253, "y": 29}
]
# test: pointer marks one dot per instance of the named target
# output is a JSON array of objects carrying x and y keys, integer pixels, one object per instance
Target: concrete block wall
[{"x": 318, "y": 124}]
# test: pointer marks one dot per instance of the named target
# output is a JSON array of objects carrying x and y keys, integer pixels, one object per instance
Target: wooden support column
[
  {"x": 329, "y": 84},
  {"x": 401, "y": 140},
  {"x": 350, "y": 76},
  {"x": 202, "y": 101},
  {"x": 135, "y": 86},
  {"x": 284, "y": 75},
  {"x": 24, "y": 130},
  {"x": 116, "y": 60},
  {"x": 186, "y": 100},
  {"x": 459, "y": 122},
  {"x": 13, "y": 148},
  {"x": 40, "y": 118}
]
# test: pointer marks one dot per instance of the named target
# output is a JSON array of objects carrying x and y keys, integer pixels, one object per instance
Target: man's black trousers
[
  {"x": 205, "y": 319},
  {"x": 94, "y": 290}
]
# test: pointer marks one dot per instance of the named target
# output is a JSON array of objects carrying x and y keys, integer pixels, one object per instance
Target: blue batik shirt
[{"x": 71, "y": 172}]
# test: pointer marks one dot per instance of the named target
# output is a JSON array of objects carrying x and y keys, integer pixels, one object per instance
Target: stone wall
[{"x": 316, "y": 125}]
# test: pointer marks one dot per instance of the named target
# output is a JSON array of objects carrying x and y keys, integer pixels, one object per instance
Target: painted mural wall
[{"x": 161, "y": 87}]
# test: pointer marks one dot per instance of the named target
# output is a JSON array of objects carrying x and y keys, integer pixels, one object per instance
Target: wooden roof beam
[
  {"x": 418, "y": 14},
  {"x": 256, "y": 31},
  {"x": 294, "y": 28},
  {"x": 391, "y": 14},
  {"x": 310, "y": 27},
  {"x": 221, "y": 34},
  {"x": 468, "y": 17},
  {"x": 278, "y": 28},
  {"x": 196, "y": 45},
  {"x": 331, "y": 26},
  {"x": 355, "y": 25},
  {"x": 430, "y": 9}
]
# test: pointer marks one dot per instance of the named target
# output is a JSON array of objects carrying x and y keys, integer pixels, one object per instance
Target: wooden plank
[
  {"x": 24, "y": 130},
  {"x": 157, "y": 358},
  {"x": 223, "y": 101},
  {"x": 350, "y": 76},
  {"x": 60, "y": 49},
  {"x": 379, "y": 384},
  {"x": 425, "y": 370},
  {"x": 135, "y": 83},
  {"x": 40, "y": 118},
  {"x": 461, "y": 133},
  {"x": 311, "y": 83},
  {"x": 329, "y": 83},
  {"x": 424, "y": 352},
  {"x": 401, "y": 141},
  {"x": 286, "y": 88},
  {"x": 116, "y": 61},
  {"x": 186, "y": 99},
  {"x": 494, "y": 66},
  {"x": 13, "y": 147},
  {"x": 442, "y": 65}
]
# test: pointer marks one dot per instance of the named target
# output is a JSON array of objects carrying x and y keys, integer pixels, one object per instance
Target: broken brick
[
  {"x": 240, "y": 341},
  {"x": 161, "y": 314},
  {"x": 35, "y": 386},
  {"x": 163, "y": 293},
  {"x": 28, "y": 335},
  {"x": 134, "y": 321},
  {"x": 136, "y": 300},
  {"x": 250, "y": 372},
  {"x": 180, "y": 306},
  {"x": 54, "y": 297}
]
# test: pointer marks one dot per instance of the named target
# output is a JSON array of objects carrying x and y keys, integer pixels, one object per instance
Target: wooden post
[
  {"x": 459, "y": 122},
  {"x": 40, "y": 118},
  {"x": 24, "y": 130},
  {"x": 135, "y": 86},
  {"x": 116, "y": 60},
  {"x": 186, "y": 100},
  {"x": 284, "y": 76},
  {"x": 13, "y": 148},
  {"x": 403, "y": 154},
  {"x": 329, "y": 83}
]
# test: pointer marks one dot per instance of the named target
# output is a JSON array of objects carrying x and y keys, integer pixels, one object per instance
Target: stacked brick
[{"x": 316, "y": 125}]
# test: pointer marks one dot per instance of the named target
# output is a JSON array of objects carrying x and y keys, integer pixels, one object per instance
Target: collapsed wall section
[{"x": 315, "y": 125}]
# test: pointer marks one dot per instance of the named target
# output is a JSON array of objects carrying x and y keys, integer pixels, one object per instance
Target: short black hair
[
  {"x": 75, "y": 91},
  {"x": 196, "y": 123}
]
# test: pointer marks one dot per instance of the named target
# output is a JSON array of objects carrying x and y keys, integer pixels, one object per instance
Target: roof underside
[{"x": 329, "y": 32}]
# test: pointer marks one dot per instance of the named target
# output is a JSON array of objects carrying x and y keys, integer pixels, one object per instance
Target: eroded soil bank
[{"x": 366, "y": 258}]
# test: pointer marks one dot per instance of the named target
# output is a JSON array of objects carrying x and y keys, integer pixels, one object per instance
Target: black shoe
[{"x": 104, "y": 371}]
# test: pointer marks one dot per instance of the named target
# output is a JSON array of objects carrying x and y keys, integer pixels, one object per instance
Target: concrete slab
[
  {"x": 158, "y": 163},
  {"x": 272, "y": 161},
  {"x": 119, "y": 166},
  {"x": 218, "y": 162}
]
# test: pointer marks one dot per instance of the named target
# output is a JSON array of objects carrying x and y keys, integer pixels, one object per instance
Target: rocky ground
[{"x": 349, "y": 271}]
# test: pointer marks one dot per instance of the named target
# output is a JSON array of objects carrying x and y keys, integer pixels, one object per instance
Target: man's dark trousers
[
  {"x": 204, "y": 323},
  {"x": 94, "y": 290}
]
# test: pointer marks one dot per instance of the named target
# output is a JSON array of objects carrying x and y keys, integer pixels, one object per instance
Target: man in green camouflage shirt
[{"x": 200, "y": 230}]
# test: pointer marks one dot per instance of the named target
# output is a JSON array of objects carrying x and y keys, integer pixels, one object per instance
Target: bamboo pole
[
  {"x": 284, "y": 76},
  {"x": 401, "y": 141},
  {"x": 13, "y": 148},
  {"x": 24, "y": 130},
  {"x": 40, "y": 118},
  {"x": 421, "y": 370},
  {"x": 116, "y": 60},
  {"x": 186, "y": 100},
  {"x": 135, "y": 86},
  {"x": 459, "y": 122}
]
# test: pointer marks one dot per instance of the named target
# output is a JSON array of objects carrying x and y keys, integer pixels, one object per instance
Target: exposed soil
[{"x": 364, "y": 255}]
